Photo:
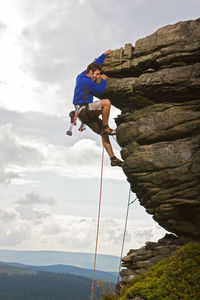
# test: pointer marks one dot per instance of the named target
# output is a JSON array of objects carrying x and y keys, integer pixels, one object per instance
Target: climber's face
[{"x": 94, "y": 74}]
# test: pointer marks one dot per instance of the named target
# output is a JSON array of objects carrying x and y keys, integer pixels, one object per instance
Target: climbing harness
[{"x": 98, "y": 222}]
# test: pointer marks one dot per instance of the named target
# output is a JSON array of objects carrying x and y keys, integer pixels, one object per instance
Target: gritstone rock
[{"x": 156, "y": 84}]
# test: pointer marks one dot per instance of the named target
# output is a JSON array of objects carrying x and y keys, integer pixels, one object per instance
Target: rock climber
[{"x": 88, "y": 111}]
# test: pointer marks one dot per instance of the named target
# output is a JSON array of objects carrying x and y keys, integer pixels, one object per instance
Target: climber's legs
[
  {"x": 107, "y": 145},
  {"x": 105, "y": 111},
  {"x": 102, "y": 107},
  {"x": 92, "y": 120}
]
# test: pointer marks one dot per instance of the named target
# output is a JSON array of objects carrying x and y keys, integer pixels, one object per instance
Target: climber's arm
[
  {"x": 101, "y": 58},
  {"x": 95, "y": 88}
]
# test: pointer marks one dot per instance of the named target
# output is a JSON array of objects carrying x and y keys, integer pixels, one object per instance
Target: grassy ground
[{"x": 174, "y": 278}]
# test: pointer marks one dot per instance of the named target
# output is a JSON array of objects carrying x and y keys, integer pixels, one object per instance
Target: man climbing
[{"x": 88, "y": 111}]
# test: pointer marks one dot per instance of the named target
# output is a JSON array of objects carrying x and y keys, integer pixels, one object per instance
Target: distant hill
[
  {"x": 10, "y": 270},
  {"x": 20, "y": 284},
  {"x": 88, "y": 273},
  {"x": 106, "y": 263}
]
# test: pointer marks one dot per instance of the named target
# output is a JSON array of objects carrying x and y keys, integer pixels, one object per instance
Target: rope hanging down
[
  {"x": 98, "y": 223},
  {"x": 125, "y": 226}
]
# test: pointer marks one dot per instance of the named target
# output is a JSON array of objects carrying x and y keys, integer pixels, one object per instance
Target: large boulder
[{"x": 156, "y": 84}]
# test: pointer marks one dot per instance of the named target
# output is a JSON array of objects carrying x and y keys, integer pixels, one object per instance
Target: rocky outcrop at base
[
  {"x": 140, "y": 260},
  {"x": 176, "y": 277},
  {"x": 156, "y": 84}
]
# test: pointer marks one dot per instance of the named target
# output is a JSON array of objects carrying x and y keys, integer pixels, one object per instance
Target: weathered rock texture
[
  {"x": 156, "y": 84},
  {"x": 140, "y": 260}
]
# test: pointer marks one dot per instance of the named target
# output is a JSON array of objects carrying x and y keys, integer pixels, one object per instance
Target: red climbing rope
[{"x": 99, "y": 212}]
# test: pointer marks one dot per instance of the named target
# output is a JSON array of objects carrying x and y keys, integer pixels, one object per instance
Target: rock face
[
  {"x": 140, "y": 260},
  {"x": 156, "y": 84}
]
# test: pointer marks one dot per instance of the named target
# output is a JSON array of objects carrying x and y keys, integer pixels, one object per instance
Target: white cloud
[
  {"x": 13, "y": 230},
  {"x": 35, "y": 198},
  {"x": 48, "y": 43},
  {"x": 14, "y": 153},
  {"x": 23, "y": 151},
  {"x": 7, "y": 177},
  {"x": 52, "y": 41},
  {"x": 28, "y": 213},
  {"x": 81, "y": 160},
  {"x": 44, "y": 45},
  {"x": 25, "y": 224},
  {"x": 2, "y": 28}
]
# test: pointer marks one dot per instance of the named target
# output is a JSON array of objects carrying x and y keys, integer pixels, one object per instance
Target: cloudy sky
[{"x": 49, "y": 183}]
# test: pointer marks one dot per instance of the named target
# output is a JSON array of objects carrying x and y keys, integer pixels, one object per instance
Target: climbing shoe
[
  {"x": 108, "y": 130},
  {"x": 115, "y": 162}
]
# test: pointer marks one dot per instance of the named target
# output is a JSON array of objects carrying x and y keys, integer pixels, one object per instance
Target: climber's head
[{"x": 93, "y": 71}]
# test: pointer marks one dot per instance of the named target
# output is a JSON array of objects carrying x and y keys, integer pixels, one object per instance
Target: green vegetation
[
  {"x": 174, "y": 278},
  {"x": 7, "y": 269},
  {"x": 107, "y": 289}
]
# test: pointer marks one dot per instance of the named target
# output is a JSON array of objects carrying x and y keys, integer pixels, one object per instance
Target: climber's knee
[{"x": 105, "y": 102}]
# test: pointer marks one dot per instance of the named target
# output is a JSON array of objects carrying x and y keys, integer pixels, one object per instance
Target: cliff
[{"x": 156, "y": 84}]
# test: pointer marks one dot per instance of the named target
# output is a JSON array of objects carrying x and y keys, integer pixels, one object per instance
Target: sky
[{"x": 49, "y": 182}]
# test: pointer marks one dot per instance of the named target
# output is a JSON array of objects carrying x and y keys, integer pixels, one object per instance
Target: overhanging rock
[{"x": 156, "y": 84}]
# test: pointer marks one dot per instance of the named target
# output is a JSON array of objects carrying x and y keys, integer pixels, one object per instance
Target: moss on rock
[{"x": 174, "y": 278}]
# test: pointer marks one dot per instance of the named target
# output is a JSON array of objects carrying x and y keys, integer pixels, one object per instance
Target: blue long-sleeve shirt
[{"x": 85, "y": 88}]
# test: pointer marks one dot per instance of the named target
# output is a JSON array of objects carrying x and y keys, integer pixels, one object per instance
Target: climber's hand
[
  {"x": 108, "y": 52},
  {"x": 103, "y": 76}
]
